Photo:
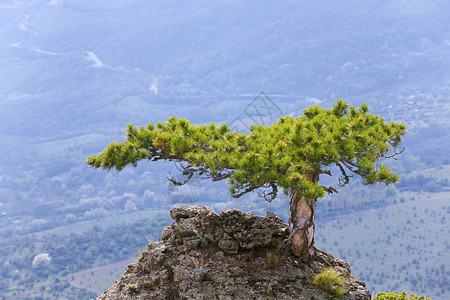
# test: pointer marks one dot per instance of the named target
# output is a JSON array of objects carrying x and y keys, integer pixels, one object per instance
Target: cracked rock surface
[{"x": 232, "y": 255}]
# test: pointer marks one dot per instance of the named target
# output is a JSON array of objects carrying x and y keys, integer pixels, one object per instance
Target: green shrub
[
  {"x": 130, "y": 288},
  {"x": 330, "y": 281},
  {"x": 199, "y": 274},
  {"x": 203, "y": 241},
  {"x": 164, "y": 264},
  {"x": 401, "y": 296}
]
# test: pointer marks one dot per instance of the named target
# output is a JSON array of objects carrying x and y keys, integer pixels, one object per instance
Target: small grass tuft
[
  {"x": 272, "y": 259},
  {"x": 130, "y": 288},
  {"x": 330, "y": 281},
  {"x": 174, "y": 238}
]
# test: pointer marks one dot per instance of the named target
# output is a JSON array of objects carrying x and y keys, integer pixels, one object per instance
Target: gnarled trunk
[{"x": 301, "y": 223}]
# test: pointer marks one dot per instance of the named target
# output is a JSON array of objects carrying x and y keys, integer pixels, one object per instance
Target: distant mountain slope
[
  {"x": 65, "y": 61},
  {"x": 74, "y": 73}
]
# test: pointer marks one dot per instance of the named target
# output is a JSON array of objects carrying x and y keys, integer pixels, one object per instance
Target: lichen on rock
[{"x": 231, "y": 255}]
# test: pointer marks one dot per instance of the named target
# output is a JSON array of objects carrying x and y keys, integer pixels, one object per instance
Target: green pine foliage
[
  {"x": 401, "y": 296},
  {"x": 279, "y": 155}
]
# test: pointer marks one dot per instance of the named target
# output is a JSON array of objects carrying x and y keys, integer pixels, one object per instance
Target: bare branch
[
  {"x": 344, "y": 179},
  {"x": 326, "y": 172},
  {"x": 329, "y": 189},
  {"x": 245, "y": 191},
  {"x": 397, "y": 151},
  {"x": 352, "y": 167},
  {"x": 272, "y": 194},
  {"x": 175, "y": 182},
  {"x": 202, "y": 172}
]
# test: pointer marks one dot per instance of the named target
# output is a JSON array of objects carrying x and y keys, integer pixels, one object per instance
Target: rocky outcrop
[{"x": 232, "y": 255}]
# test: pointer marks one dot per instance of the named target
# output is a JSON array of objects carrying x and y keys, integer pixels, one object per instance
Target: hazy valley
[{"x": 73, "y": 75}]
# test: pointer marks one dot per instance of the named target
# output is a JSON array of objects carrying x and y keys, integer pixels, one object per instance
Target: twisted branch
[
  {"x": 344, "y": 179},
  {"x": 200, "y": 172},
  {"x": 272, "y": 194},
  {"x": 245, "y": 191},
  {"x": 329, "y": 189},
  {"x": 397, "y": 151}
]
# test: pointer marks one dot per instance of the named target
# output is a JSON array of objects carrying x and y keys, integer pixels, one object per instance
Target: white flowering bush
[{"x": 41, "y": 260}]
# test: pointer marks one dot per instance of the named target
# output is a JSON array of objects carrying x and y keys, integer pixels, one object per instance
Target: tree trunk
[{"x": 301, "y": 223}]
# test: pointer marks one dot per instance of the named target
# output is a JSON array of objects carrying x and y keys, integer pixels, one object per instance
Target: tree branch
[
  {"x": 397, "y": 151},
  {"x": 344, "y": 179},
  {"x": 245, "y": 191},
  {"x": 272, "y": 194},
  {"x": 326, "y": 172},
  {"x": 202, "y": 172},
  {"x": 329, "y": 189},
  {"x": 178, "y": 183},
  {"x": 350, "y": 165}
]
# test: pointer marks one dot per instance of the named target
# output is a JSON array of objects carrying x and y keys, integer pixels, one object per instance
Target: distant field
[
  {"x": 441, "y": 173},
  {"x": 99, "y": 279},
  {"x": 404, "y": 246},
  {"x": 124, "y": 218},
  {"x": 400, "y": 247}
]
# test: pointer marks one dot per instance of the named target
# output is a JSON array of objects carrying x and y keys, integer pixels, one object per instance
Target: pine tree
[{"x": 290, "y": 154}]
